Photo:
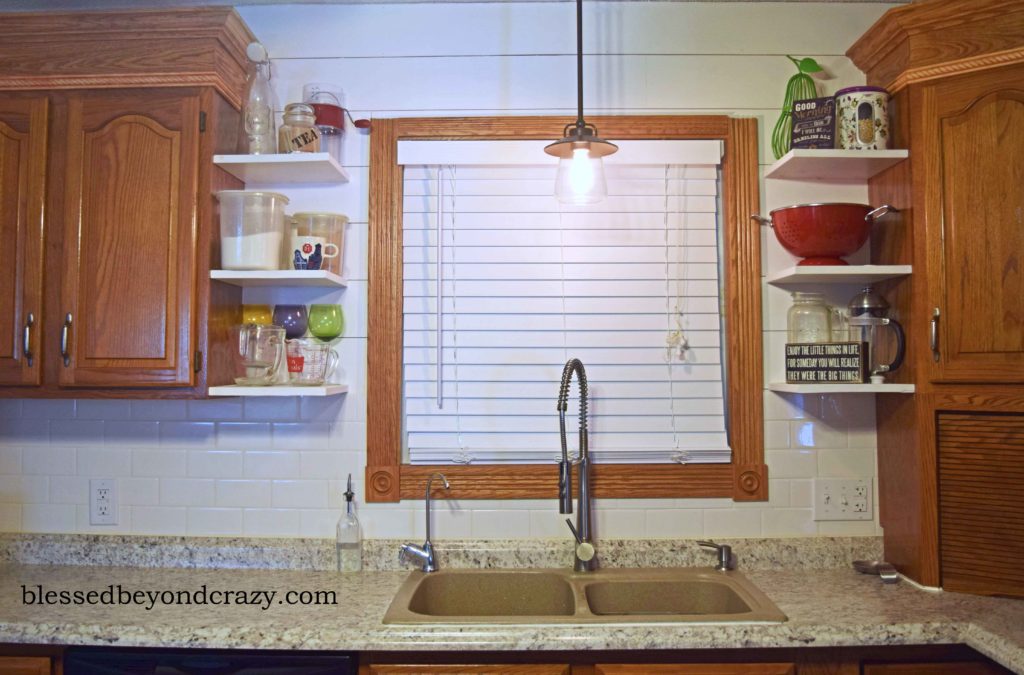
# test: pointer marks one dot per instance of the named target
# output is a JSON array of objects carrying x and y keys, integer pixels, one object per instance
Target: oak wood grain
[
  {"x": 25, "y": 665},
  {"x": 695, "y": 669},
  {"x": 982, "y": 527},
  {"x": 972, "y": 135},
  {"x": 939, "y": 39},
  {"x": 100, "y": 50},
  {"x": 387, "y": 479},
  {"x": 744, "y": 361},
  {"x": 23, "y": 147},
  {"x": 129, "y": 265},
  {"x": 468, "y": 669},
  {"x": 955, "y": 68}
]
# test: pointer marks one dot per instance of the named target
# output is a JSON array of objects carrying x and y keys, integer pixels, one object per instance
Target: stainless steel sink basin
[{"x": 564, "y": 596}]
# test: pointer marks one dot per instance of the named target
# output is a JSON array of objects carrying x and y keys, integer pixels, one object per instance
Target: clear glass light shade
[{"x": 580, "y": 178}]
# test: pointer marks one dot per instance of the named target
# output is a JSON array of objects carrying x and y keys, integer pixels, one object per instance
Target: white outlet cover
[
  {"x": 103, "y": 501},
  {"x": 843, "y": 499}
]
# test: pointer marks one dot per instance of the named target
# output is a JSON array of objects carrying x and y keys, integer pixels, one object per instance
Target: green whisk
[{"x": 800, "y": 87}]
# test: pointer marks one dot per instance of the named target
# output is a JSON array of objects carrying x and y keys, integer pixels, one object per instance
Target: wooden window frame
[{"x": 745, "y": 478}]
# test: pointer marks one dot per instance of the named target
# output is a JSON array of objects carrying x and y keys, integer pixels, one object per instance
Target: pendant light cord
[{"x": 579, "y": 64}]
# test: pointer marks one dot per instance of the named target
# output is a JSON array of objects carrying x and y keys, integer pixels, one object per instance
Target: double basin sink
[{"x": 562, "y": 596}]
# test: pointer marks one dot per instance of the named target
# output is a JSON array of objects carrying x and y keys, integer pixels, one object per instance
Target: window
[
  {"x": 512, "y": 285},
  {"x": 403, "y": 295}
]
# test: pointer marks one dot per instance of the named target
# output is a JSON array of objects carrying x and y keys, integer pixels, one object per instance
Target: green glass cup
[{"x": 326, "y": 322}]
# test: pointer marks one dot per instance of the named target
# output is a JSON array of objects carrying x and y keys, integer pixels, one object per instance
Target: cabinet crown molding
[
  {"x": 202, "y": 46},
  {"x": 938, "y": 38}
]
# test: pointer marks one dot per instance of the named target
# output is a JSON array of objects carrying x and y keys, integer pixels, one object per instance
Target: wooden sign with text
[{"x": 827, "y": 363}]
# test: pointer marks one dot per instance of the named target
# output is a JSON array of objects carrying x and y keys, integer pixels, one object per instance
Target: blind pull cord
[{"x": 439, "y": 311}]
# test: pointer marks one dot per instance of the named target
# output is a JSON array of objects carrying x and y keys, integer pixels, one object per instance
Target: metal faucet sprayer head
[
  {"x": 565, "y": 465},
  {"x": 584, "y": 554}
]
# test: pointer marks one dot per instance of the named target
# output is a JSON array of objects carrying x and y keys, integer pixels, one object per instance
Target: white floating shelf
[
  {"x": 236, "y": 390},
  {"x": 837, "y": 274},
  {"x": 292, "y": 278},
  {"x": 834, "y": 166},
  {"x": 785, "y": 387},
  {"x": 296, "y": 167}
]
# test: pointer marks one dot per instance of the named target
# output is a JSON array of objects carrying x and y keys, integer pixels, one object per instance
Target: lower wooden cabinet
[
  {"x": 950, "y": 668},
  {"x": 25, "y": 665},
  {"x": 596, "y": 669},
  {"x": 694, "y": 669},
  {"x": 468, "y": 669},
  {"x": 896, "y": 660}
]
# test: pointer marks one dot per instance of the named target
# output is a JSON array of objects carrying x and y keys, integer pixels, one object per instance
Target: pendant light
[{"x": 580, "y": 178}]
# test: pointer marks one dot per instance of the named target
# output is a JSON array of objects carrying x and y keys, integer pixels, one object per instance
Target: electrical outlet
[
  {"x": 842, "y": 499},
  {"x": 103, "y": 501}
]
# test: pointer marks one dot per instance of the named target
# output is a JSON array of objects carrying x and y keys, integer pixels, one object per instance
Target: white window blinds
[{"x": 502, "y": 285}]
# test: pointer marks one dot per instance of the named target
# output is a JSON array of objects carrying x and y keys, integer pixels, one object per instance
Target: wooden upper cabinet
[
  {"x": 129, "y": 274},
  {"x": 973, "y": 140},
  {"x": 23, "y": 131}
]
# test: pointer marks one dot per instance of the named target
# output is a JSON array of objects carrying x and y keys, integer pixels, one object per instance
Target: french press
[{"x": 867, "y": 323}]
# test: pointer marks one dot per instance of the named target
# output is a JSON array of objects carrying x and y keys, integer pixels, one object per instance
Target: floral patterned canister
[{"x": 862, "y": 118}]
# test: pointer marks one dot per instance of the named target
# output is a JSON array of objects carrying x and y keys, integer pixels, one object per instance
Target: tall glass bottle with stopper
[
  {"x": 259, "y": 135},
  {"x": 349, "y": 544}
]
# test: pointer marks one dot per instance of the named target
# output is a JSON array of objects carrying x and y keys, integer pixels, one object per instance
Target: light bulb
[{"x": 580, "y": 178}]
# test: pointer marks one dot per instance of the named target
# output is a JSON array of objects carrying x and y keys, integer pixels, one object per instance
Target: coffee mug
[{"x": 308, "y": 253}]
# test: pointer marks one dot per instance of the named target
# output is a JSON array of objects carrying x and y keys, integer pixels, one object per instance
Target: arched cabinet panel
[{"x": 129, "y": 242}]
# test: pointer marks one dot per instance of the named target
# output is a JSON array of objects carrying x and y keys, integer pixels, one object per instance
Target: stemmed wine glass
[{"x": 326, "y": 322}]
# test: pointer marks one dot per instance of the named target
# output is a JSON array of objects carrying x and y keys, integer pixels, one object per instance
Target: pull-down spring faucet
[{"x": 584, "y": 556}]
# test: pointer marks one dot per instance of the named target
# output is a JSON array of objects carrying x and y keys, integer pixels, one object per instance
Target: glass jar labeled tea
[{"x": 299, "y": 132}]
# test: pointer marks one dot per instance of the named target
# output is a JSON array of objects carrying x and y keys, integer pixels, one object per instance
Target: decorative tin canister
[{"x": 863, "y": 118}]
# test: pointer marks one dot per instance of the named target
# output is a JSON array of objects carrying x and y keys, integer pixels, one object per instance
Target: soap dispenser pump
[{"x": 349, "y": 543}]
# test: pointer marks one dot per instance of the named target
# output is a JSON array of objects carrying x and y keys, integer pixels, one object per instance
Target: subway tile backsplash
[{"x": 246, "y": 467}]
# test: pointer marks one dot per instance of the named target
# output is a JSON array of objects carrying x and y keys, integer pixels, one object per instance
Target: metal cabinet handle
[
  {"x": 26, "y": 343},
  {"x": 934, "y": 335},
  {"x": 64, "y": 339}
]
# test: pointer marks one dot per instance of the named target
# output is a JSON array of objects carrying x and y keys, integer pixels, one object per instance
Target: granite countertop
[{"x": 827, "y": 607}]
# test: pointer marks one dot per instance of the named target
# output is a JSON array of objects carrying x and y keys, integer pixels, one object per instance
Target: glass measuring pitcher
[
  {"x": 260, "y": 354},
  {"x": 310, "y": 362}
]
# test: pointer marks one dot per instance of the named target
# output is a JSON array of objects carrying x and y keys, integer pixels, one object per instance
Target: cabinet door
[
  {"x": 981, "y": 502},
  {"x": 466, "y": 669},
  {"x": 695, "y": 669},
  {"x": 973, "y": 166},
  {"x": 25, "y": 665},
  {"x": 127, "y": 296},
  {"x": 23, "y": 133},
  {"x": 949, "y": 668}
]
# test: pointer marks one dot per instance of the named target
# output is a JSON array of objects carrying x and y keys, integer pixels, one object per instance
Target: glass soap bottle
[
  {"x": 808, "y": 319},
  {"x": 299, "y": 132},
  {"x": 349, "y": 543}
]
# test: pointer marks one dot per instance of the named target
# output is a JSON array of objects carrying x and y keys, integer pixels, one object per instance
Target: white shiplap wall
[{"x": 276, "y": 467}]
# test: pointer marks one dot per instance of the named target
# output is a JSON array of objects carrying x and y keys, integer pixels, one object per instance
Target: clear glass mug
[
  {"x": 310, "y": 362},
  {"x": 260, "y": 354}
]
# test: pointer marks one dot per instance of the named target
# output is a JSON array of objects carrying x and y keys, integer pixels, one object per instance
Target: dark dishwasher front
[{"x": 90, "y": 661}]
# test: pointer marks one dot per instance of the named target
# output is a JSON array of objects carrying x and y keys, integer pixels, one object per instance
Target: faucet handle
[
  {"x": 585, "y": 550},
  {"x": 724, "y": 554}
]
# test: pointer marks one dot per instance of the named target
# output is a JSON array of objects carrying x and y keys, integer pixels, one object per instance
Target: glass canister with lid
[
  {"x": 808, "y": 320},
  {"x": 299, "y": 132}
]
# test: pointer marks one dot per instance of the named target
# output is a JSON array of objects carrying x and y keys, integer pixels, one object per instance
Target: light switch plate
[
  {"x": 103, "y": 501},
  {"x": 842, "y": 499}
]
